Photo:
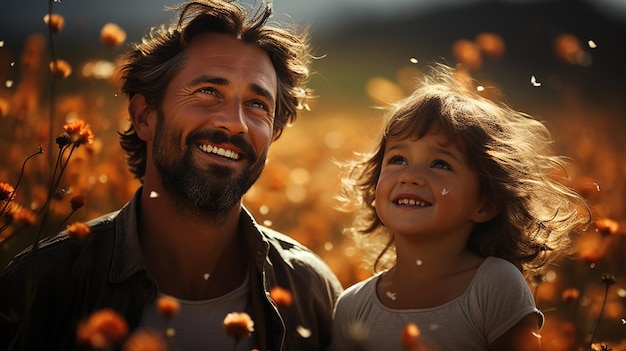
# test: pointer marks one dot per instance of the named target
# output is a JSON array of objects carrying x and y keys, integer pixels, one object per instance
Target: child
[{"x": 466, "y": 196}]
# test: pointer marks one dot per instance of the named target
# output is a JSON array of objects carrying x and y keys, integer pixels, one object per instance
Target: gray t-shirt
[
  {"x": 198, "y": 325},
  {"x": 496, "y": 299}
]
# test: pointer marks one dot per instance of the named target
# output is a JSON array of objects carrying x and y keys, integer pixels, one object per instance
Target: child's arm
[{"x": 524, "y": 336}]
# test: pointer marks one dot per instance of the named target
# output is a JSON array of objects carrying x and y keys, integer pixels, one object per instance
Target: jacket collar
[{"x": 128, "y": 259}]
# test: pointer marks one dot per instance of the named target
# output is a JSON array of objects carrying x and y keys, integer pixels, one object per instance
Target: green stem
[
  {"x": 606, "y": 294},
  {"x": 52, "y": 86},
  {"x": 19, "y": 179}
]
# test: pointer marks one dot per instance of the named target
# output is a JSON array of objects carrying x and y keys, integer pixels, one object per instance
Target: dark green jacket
[{"x": 73, "y": 279}]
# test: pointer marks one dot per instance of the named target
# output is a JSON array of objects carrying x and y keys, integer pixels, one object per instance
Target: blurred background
[{"x": 561, "y": 61}]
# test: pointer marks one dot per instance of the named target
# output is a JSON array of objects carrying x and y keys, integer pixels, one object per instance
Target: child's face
[{"x": 426, "y": 187}]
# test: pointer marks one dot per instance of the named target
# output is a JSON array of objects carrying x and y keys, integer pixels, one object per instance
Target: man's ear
[
  {"x": 486, "y": 212},
  {"x": 142, "y": 117}
]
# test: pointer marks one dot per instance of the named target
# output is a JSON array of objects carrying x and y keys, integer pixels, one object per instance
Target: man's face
[{"x": 215, "y": 123}]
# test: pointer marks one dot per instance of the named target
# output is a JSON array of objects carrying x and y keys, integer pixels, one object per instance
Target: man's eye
[
  {"x": 207, "y": 91},
  {"x": 259, "y": 104}
]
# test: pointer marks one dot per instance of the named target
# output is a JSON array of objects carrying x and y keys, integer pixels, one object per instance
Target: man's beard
[{"x": 212, "y": 191}]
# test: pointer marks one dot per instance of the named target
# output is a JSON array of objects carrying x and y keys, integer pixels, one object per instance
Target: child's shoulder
[
  {"x": 494, "y": 266},
  {"x": 496, "y": 275},
  {"x": 361, "y": 290}
]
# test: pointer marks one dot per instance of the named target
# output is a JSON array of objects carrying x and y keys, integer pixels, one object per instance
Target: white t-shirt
[
  {"x": 496, "y": 299},
  {"x": 198, "y": 325}
]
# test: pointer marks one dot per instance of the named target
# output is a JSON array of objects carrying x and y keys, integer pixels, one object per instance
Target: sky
[
  {"x": 85, "y": 18},
  {"x": 24, "y": 16}
]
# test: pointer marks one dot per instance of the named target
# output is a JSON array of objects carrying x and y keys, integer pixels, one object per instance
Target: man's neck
[{"x": 190, "y": 256}]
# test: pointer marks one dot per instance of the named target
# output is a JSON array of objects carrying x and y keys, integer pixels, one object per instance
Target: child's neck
[{"x": 427, "y": 279}]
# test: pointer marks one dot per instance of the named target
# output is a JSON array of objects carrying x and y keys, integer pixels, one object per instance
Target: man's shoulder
[
  {"x": 283, "y": 241},
  {"x": 284, "y": 249},
  {"x": 289, "y": 249}
]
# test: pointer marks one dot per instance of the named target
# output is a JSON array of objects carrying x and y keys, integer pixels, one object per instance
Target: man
[{"x": 207, "y": 97}]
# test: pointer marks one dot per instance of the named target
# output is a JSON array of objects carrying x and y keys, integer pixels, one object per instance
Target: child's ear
[
  {"x": 486, "y": 212},
  {"x": 142, "y": 117}
]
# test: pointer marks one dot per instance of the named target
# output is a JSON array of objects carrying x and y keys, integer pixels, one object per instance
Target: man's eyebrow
[
  {"x": 257, "y": 89},
  {"x": 203, "y": 79}
]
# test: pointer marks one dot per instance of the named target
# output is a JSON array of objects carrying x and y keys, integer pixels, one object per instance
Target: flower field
[{"x": 61, "y": 164}]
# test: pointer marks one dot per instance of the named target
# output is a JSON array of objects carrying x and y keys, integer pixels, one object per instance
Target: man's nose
[{"x": 231, "y": 117}]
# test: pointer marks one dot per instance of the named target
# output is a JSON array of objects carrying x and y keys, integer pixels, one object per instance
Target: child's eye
[
  {"x": 397, "y": 160},
  {"x": 440, "y": 164}
]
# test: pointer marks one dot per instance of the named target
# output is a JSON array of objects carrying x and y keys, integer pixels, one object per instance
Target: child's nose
[{"x": 412, "y": 177}]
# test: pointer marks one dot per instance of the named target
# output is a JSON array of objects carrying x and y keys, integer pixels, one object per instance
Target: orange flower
[
  {"x": 60, "y": 69},
  {"x": 78, "y": 201},
  {"x": 238, "y": 325},
  {"x": 467, "y": 53},
  {"x": 12, "y": 207},
  {"x": 79, "y": 132},
  {"x": 571, "y": 294},
  {"x": 567, "y": 48},
  {"x": 411, "y": 338},
  {"x": 145, "y": 340},
  {"x": 112, "y": 35},
  {"x": 102, "y": 329},
  {"x": 606, "y": 226},
  {"x": 55, "y": 22},
  {"x": 4, "y": 108},
  {"x": 6, "y": 190},
  {"x": 168, "y": 306},
  {"x": 24, "y": 217},
  {"x": 589, "y": 257},
  {"x": 78, "y": 230},
  {"x": 600, "y": 346},
  {"x": 491, "y": 44},
  {"x": 282, "y": 297}
]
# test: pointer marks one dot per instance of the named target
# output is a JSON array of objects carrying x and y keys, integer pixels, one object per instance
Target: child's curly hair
[{"x": 512, "y": 155}]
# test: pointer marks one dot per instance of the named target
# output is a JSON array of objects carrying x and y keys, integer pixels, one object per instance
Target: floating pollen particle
[
  {"x": 304, "y": 332},
  {"x": 534, "y": 82}
]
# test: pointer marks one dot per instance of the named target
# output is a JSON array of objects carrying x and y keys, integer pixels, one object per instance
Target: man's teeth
[
  {"x": 219, "y": 151},
  {"x": 412, "y": 202}
]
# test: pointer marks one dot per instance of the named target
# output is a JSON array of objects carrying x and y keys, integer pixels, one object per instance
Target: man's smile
[{"x": 212, "y": 149}]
